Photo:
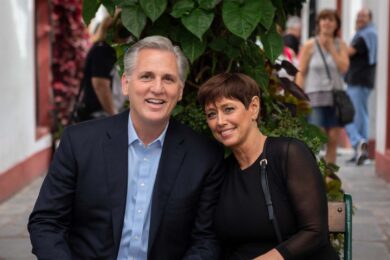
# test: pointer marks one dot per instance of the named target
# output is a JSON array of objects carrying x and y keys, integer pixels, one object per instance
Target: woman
[
  {"x": 313, "y": 76},
  {"x": 231, "y": 102}
]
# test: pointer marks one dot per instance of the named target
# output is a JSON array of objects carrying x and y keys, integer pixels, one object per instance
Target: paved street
[{"x": 371, "y": 222}]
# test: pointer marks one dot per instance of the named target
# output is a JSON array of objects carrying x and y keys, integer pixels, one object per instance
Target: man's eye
[
  {"x": 169, "y": 79},
  {"x": 146, "y": 77}
]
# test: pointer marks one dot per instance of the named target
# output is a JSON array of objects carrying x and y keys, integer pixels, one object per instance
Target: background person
[
  {"x": 137, "y": 185},
  {"x": 292, "y": 35},
  {"x": 231, "y": 102},
  {"x": 361, "y": 79},
  {"x": 99, "y": 86},
  {"x": 314, "y": 79}
]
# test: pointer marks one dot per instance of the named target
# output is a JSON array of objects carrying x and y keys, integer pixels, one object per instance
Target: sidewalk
[{"x": 371, "y": 222}]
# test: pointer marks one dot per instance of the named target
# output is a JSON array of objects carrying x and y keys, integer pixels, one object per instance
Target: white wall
[
  {"x": 381, "y": 74},
  {"x": 17, "y": 83},
  {"x": 325, "y": 4}
]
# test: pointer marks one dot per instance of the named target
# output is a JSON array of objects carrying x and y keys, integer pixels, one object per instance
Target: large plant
[
  {"x": 69, "y": 45},
  {"x": 228, "y": 35}
]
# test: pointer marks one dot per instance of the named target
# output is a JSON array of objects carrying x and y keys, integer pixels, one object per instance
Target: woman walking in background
[{"x": 323, "y": 60}]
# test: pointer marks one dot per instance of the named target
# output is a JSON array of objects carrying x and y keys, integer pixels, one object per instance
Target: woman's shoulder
[{"x": 284, "y": 144}]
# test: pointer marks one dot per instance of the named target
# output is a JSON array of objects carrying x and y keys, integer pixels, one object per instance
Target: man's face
[
  {"x": 362, "y": 19},
  {"x": 154, "y": 87}
]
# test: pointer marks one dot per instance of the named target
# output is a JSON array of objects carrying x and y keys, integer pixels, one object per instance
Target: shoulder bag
[
  {"x": 341, "y": 101},
  {"x": 267, "y": 194}
]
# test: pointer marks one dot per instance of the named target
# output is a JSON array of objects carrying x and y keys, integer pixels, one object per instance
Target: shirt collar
[{"x": 133, "y": 137}]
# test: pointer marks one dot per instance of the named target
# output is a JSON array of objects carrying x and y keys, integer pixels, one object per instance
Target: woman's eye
[
  {"x": 211, "y": 115},
  {"x": 229, "y": 109}
]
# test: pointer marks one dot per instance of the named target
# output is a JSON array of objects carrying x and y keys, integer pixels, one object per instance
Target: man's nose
[{"x": 157, "y": 86}]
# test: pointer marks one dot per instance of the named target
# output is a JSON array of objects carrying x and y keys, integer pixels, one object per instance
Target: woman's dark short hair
[
  {"x": 228, "y": 85},
  {"x": 328, "y": 13}
]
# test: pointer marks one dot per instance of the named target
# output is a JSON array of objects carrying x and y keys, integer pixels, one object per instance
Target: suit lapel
[
  {"x": 172, "y": 155},
  {"x": 116, "y": 158}
]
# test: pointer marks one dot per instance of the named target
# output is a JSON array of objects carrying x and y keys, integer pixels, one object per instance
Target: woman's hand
[
  {"x": 328, "y": 44},
  {"x": 270, "y": 255}
]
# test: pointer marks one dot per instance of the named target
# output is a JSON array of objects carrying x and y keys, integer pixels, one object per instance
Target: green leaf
[
  {"x": 258, "y": 73},
  {"x": 122, "y": 3},
  {"x": 278, "y": 3},
  {"x": 198, "y": 21},
  {"x": 134, "y": 19},
  {"x": 192, "y": 46},
  {"x": 110, "y": 6},
  {"x": 90, "y": 8},
  {"x": 177, "y": 110},
  {"x": 273, "y": 44},
  {"x": 207, "y": 4},
  {"x": 222, "y": 45},
  {"x": 153, "y": 8},
  {"x": 253, "y": 55},
  {"x": 242, "y": 19},
  {"x": 182, "y": 7},
  {"x": 267, "y": 13}
]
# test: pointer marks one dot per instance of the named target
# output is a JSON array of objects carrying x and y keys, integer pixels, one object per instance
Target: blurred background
[{"x": 43, "y": 47}]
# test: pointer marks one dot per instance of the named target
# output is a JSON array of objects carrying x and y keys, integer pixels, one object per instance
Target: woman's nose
[{"x": 220, "y": 119}]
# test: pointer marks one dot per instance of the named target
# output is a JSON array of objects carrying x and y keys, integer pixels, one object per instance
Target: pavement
[{"x": 371, "y": 221}]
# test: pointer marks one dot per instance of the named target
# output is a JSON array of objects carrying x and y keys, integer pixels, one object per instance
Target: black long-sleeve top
[{"x": 300, "y": 204}]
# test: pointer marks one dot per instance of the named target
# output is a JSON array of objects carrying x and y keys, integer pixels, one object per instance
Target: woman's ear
[{"x": 254, "y": 107}]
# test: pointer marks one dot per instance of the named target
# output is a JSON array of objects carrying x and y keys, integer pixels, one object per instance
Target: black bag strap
[
  {"x": 267, "y": 194},
  {"x": 323, "y": 59}
]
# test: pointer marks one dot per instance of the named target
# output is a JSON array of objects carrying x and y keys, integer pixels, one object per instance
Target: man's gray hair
[
  {"x": 158, "y": 43},
  {"x": 293, "y": 22}
]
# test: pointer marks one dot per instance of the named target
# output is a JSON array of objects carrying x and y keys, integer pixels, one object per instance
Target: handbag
[{"x": 342, "y": 103}]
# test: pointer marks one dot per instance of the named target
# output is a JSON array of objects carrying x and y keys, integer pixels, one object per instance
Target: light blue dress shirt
[{"x": 143, "y": 163}]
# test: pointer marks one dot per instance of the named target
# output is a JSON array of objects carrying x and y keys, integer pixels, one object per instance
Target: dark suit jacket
[{"x": 80, "y": 209}]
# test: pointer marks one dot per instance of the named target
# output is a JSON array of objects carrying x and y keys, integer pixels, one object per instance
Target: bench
[{"x": 340, "y": 221}]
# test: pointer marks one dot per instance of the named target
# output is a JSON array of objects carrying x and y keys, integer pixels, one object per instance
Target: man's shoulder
[
  {"x": 98, "y": 126},
  {"x": 192, "y": 137}
]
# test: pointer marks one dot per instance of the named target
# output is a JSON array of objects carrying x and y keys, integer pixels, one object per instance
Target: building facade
[{"x": 25, "y": 139}]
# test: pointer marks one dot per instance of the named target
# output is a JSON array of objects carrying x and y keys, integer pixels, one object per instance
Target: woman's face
[
  {"x": 229, "y": 120},
  {"x": 328, "y": 25}
]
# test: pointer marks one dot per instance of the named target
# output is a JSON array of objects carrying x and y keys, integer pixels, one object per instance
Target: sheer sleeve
[{"x": 307, "y": 195}]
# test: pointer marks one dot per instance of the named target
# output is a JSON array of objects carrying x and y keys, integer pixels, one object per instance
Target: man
[
  {"x": 292, "y": 35},
  {"x": 137, "y": 185},
  {"x": 98, "y": 84},
  {"x": 360, "y": 79}
]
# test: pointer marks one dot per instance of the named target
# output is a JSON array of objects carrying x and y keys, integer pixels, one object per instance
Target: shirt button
[
  {"x": 142, "y": 184},
  {"x": 135, "y": 237},
  {"x": 139, "y": 211},
  {"x": 145, "y": 159}
]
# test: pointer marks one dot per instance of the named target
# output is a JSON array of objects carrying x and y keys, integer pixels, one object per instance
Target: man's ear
[
  {"x": 125, "y": 84},
  {"x": 181, "y": 93}
]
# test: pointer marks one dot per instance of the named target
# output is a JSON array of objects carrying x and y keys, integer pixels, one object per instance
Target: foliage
[
  {"x": 230, "y": 36},
  {"x": 68, "y": 53}
]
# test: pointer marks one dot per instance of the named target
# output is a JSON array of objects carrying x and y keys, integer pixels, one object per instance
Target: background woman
[
  {"x": 232, "y": 106},
  {"x": 314, "y": 78}
]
